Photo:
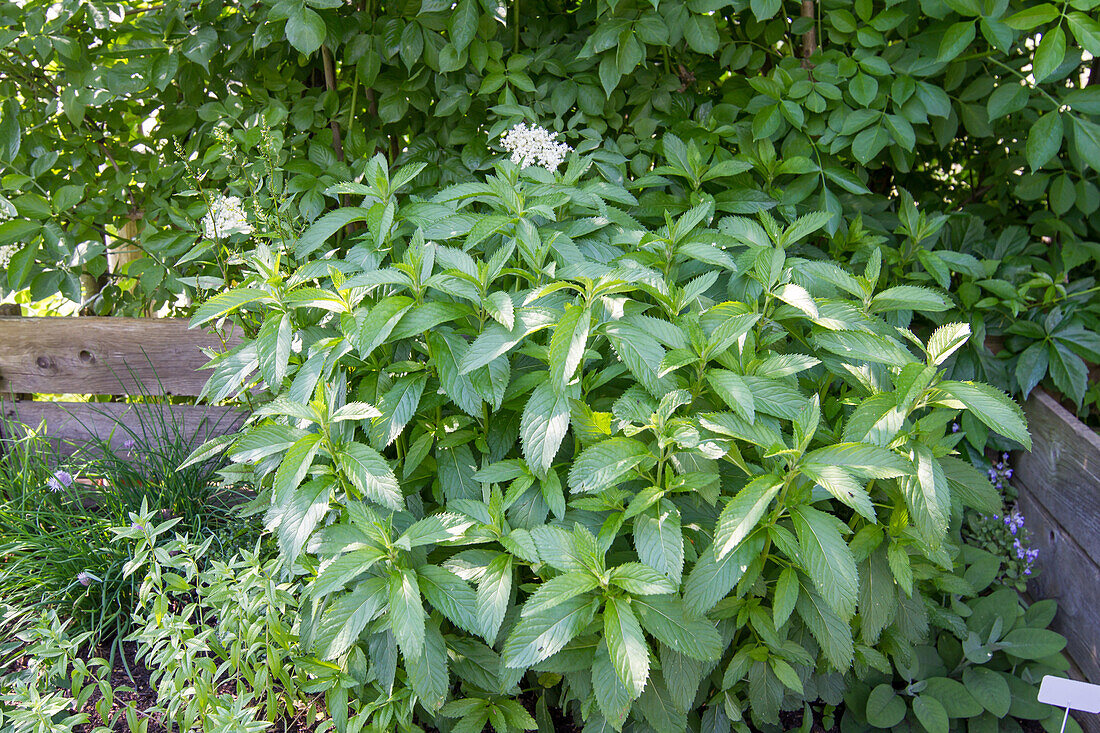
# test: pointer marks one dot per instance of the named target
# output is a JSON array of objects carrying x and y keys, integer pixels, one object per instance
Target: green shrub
[
  {"x": 985, "y": 112},
  {"x": 509, "y": 439}
]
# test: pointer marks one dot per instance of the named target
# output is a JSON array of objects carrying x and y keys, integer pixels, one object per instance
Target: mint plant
[{"x": 509, "y": 438}]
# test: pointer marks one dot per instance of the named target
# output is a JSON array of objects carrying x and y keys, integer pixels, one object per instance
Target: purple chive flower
[
  {"x": 59, "y": 481},
  {"x": 84, "y": 579}
]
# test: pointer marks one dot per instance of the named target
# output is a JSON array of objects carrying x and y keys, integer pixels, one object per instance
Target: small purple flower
[
  {"x": 128, "y": 444},
  {"x": 1004, "y": 456},
  {"x": 1008, "y": 473},
  {"x": 954, "y": 427},
  {"x": 1027, "y": 571},
  {"x": 1021, "y": 553},
  {"x": 59, "y": 481},
  {"x": 136, "y": 525},
  {"x": 1032, "y": 555},
  {"x": 84, "y": 579}
]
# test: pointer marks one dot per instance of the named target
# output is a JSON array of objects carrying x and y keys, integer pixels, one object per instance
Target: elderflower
[
  {"x": 226, "y": 216},
  {"x": 534, "y": 145}
]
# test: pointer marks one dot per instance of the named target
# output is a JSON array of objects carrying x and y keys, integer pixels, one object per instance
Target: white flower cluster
[
  {"x": 226, "y": 216},
  {"x": 6, "y": 253},
  {"x": 534, "y": 145}
]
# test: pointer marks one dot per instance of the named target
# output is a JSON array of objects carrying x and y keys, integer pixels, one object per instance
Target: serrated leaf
[
  {"x": 348, "y": 615},
  {"x": 370, "y": 474},
  {"x": 743, "y": 513},
  {"x": 626, "y": 645},
  {"x": 666, "y": 618},
  {"x": 599, "y": 466},
  {"x": 493, "y": 592},
  {"x": 406, "y": 613},
  {"x": 826, "y": 558},
  {"x": 993, "y": 407},
  {"x": 543, "y": 634},
  {"x": 450, "y": 595},
  {"x": 567, "y": 344},
  {"x": 543, "y": 425}
]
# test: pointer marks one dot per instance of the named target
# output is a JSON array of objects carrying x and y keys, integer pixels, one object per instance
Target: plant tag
[{"x": 1070, "y": 694}]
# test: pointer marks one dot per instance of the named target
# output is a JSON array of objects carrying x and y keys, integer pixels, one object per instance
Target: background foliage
[{"x": 980, "y": 110}]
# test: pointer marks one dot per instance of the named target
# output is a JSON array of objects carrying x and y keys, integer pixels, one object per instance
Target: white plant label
[{"x": 1071, "y": 694}]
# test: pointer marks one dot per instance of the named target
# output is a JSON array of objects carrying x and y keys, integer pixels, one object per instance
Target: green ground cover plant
[
  {"x": 509, "y": 438},
  {"x": 57, "y": 510}
]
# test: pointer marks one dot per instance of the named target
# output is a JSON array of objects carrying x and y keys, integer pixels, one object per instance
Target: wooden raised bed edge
[
  {"x": 145, "y": 357},
  {"x": 1059, "y": 485}
]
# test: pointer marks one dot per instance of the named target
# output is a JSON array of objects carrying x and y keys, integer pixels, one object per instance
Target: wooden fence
[
  {"x": 1059, "y": 483},
  {"x": 144, "y": 357}
]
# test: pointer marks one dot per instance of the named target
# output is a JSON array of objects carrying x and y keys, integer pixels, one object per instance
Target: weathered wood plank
[
  {"x": 70, "y": 425},
  {"x": 1062, "y": 472},
  {"x": 1059, "y": 485},
  {"x": 113, "y": 356},
  {"x": 1070, "y": 575}
]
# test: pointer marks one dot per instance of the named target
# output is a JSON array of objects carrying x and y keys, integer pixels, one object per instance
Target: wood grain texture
[
  {"x": 109, "y": 356},
  {"x": 70, "y": 425},
  {"x": 1068, "y": 574},
  {"x": 1062, "y": 472},
  {"x": 1059, "y": 485}
]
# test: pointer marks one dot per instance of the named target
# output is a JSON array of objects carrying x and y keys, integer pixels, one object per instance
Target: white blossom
[
  {"x": 534, "y": 145},
  {"x": 226, "y": 216},
  {"x": 6, "y": 253}
]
